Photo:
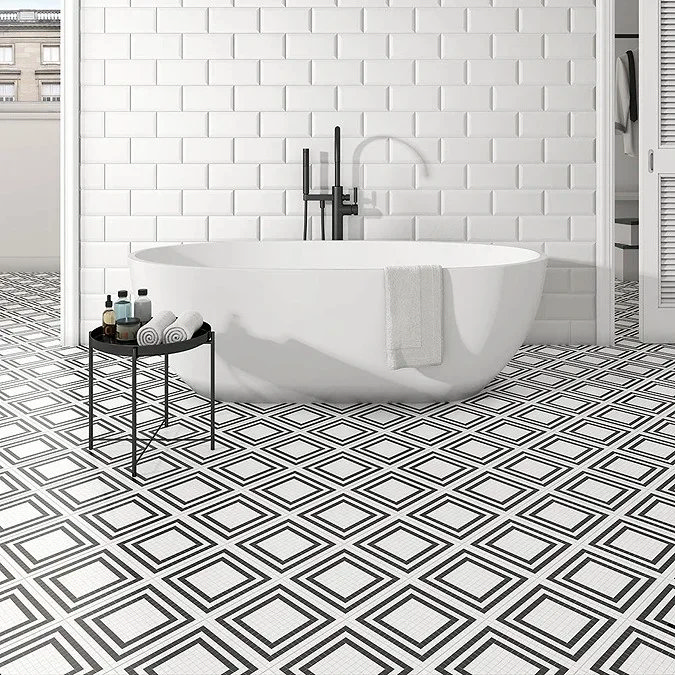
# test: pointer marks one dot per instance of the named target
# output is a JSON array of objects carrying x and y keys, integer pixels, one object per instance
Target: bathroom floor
[{"x": 530, "y": 529}]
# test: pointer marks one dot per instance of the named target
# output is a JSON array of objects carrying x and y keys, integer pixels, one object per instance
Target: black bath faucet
[{"x": 338, "y": 199}]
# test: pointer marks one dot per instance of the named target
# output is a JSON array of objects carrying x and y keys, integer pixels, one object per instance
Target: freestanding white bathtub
[{"x": 300, "y": 321}]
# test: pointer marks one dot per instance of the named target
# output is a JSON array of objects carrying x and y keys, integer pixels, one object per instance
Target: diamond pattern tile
[{"x": 527, "y": 530}]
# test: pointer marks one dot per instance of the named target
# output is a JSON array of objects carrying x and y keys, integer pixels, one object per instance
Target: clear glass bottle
[
  {"x": 143, "y": 306},
  {"x": 108, "y": 319},
  {"x": 122, "y": 306}
]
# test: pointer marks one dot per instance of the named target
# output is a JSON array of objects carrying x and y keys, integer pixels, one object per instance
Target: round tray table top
[{"x": 112, "y": 346}]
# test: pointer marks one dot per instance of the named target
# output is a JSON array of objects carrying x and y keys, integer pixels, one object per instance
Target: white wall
[
  {"x": 194, "y": 118},
  {"x": 29, "y": 188}
]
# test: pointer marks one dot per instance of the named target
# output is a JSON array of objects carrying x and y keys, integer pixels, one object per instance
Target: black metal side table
[{"x": 98, "y": 342}]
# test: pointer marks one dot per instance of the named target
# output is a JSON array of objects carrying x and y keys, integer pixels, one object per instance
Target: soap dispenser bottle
[
  {"x": 109, "y": 319},
  {"x": 122, "y": 306},
  {"x": 143, "y": 306}
]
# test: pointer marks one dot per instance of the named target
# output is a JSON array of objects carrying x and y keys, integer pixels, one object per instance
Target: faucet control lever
[{"x": 351, "y": 209}]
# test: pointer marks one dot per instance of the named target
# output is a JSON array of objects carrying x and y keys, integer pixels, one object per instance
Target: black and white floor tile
[{"x": 528, "y": 530}]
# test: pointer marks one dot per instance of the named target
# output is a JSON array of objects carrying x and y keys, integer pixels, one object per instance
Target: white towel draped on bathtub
[
  {"x": 183, "y": 328},
  {"x": 414, "y": 316}
]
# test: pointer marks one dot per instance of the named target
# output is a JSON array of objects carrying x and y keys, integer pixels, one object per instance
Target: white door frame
[
  {"x": 70, "y": 172},
  {"x": 605, "y": 206}
]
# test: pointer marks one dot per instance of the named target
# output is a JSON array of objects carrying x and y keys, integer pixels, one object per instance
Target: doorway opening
[
  {"x": 625, "y": 227},
  {"x": 30, "y": 96},
  {"x": 39, "y": 127},
  {"x": 618, "y": 295}
]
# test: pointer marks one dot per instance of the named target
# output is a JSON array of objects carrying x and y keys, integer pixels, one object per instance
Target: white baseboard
[{"x": 24, "y": 264}]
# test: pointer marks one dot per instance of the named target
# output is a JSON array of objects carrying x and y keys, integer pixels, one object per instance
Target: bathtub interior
[{"x": 334, "y": 255}]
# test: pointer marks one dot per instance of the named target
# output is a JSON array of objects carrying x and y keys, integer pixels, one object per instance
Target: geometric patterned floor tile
[
  {"x": 56, "y": 651},
  {"x": 88, "y": 490},
  {"x": 47, "y": 546},
  {"x": 342, "y": 468},
  {"x": 134, "y": 621},
  {"x": 283, "y": 547},
  {"x": 20, "y": 613},
  {"x": 233, "y": 516},
  {"x": 491, "y": 652},
  {"x": 6, "y": 577},
  {"x": 602, "y": 580},
  {"x": 496, "y": 490},
  {"x": 437, "y": 467},
  {"x": 473, "y": 580},
  {"x": 88, "y": 580},
  {"x": 290, "y": 491},
  {"x": 527, "y": 548},
  {"x": 200, "y": 652},
  {"x": 346, "y": 651},
  {"x": 275, "y": 621},
  {"x": 637, "y": 651},
  {"x": 344, "y": 515},
  {"x": 388, "y": 449},
  {"x": 53, "y": 469},
  {"x": 216, "y": 580},
  {"x": 537, "y": 470},
  {"x": 660, "y": 615},
  {"x": 555, "y": 620},
  {"x": 597, "y": 491},
  {"x": 416, "y": 621},
  {"x": 622, "y": 467},
  {"x": 128, "y": 514},
  {"x": 405, "y": 546},
  {"x": 564, "y": 516},
  {"x": 344, "y": 580},
  {"x": 637, "y": 545},
  {"x": 393, "y": 491},
  {"x": 11, "y": 486},
  {"x": 191, "y": 490},
  {"x": 483, "y": 449},
  {"x": 247, "y": 469},
  {"x": 527, "y": 530},
  {"x": 655, "y": 511},
  {"x": 453, "y": 516},
  {"x": 25, "y": 513},
  {"x": 566, "y": 448},
  {"x": 166, "y": 546}
]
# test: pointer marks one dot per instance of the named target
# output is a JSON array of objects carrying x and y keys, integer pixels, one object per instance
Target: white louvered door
[{"x": 657, "y": 171}]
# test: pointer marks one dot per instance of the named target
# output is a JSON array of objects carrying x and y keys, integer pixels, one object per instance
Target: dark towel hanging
[{"x": 632, "y": 84}]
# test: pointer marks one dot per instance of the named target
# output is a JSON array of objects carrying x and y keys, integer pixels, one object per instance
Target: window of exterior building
[
  {"x": 7, "y": 54},
  {"x": 51, "y": 92},
  {"x": 7, "y": 91},
  {"x": 51, "y": 54}
]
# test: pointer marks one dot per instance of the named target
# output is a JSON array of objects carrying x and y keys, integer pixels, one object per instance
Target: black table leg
[
  {"x": 213, "y": 390},
  {"x": 166, "y": 390},
  {"x": 91, "y": 396},
  {"x": 134, "y": 360}
]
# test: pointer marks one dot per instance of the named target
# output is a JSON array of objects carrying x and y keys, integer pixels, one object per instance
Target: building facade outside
[{"x": 30, "y": 56}]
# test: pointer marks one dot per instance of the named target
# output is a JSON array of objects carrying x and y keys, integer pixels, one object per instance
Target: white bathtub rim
[{"x": 136, "y": 257}]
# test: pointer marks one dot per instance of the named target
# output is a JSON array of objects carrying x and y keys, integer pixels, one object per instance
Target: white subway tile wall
[{"x": 467, "y": 120}]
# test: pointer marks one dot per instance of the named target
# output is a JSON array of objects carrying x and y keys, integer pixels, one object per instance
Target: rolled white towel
[
  {"x": 185, "y": 326},
  {"x": 152, "y": 332}
]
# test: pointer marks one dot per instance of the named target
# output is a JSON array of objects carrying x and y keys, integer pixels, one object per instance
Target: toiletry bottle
[
  {"x": 122, "y": 306},
  {"x": 143, "y": 306},
  {"x": 109, "y": 319}
]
